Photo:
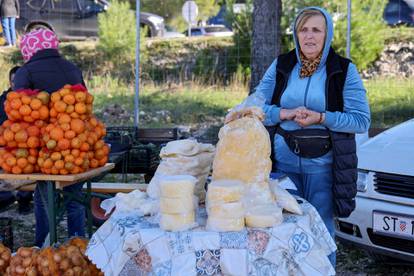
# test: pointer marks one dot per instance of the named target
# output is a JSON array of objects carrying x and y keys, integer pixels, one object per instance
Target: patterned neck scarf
[
  {"x": 308, "y": 66},
  {"x": 37, "y": 40}
]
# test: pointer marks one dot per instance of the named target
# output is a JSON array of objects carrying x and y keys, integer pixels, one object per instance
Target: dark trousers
[{"x": 75, "y": 212}]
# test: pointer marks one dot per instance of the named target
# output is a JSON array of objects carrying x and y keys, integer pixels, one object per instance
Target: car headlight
[{"x": 362, "y": 182}]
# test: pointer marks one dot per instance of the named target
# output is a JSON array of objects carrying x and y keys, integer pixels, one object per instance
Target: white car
[
  {"x": 210, "y": 30},
  {"x": 383, "y": 221}
]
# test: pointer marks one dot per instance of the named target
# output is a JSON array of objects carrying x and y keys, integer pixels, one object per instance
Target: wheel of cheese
[
  {"x": 177, "y": 186},
  {"x": 224, "y": 225},
  {"x": 264, "y": 216},
  {"x": 177, "y": 222},
  {"x": 178, "y": 205},
  {"x": 224, "y": 191},
  {"x": 226, "y": 210}
]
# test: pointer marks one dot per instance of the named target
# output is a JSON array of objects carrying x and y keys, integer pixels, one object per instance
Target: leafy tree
[
  {"x": 367, "y": 26},
  {"x": 242, "y": 25},
  {"x": 118, "y": 43}
]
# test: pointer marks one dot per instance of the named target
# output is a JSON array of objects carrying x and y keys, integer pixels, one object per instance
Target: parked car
[
  {"x": 383, "y": 221},
  {"x": 399, "y": 12},
  {"x": 210, "y": 30},
  {"x": 170, "y": 32},
  {"x": 76, "y": 19}
]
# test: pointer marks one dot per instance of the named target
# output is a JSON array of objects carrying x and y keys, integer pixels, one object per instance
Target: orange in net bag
[{"x": 27, "y": 105}]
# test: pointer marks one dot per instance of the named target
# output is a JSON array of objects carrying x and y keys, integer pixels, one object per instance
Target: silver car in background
[
  {"x": 383, "y": 221},
  {"x": 210, "y": 30}
]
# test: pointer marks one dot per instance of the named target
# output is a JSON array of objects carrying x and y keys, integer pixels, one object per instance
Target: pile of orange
[
  {"x": 27, "y": 112},
  {"x": 21, "y": 134},
  {"x": 27, "y": 106},
  {"x": 74, "y": 137},
  {"x": 19, "y": 160},
  {"x": 65, "y": 139},
  {"x": 73, "y": 146},
  {"x": 76, "y": 103}
]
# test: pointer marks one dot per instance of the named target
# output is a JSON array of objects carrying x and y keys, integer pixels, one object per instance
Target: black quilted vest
[{"x": 344, "y": 167}]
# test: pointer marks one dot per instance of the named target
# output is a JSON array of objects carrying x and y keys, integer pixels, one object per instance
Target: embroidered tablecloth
[{"x": 128, "y": 244}]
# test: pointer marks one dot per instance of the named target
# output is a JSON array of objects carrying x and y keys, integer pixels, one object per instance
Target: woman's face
[{"x": 312, "y": 36}]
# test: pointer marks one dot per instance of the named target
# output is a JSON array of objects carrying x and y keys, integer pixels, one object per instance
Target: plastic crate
[{"x": 143, "y": 159}]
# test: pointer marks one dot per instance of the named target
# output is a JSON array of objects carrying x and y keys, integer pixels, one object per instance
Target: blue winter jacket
[
  {"x": 310, "y": 93},
  {"x": 47, "y": 71}
]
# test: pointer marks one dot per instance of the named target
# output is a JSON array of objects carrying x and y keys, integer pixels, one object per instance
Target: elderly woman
[
  {"x": 317, "y": 101},
  {"x": 46, "y": 70}
]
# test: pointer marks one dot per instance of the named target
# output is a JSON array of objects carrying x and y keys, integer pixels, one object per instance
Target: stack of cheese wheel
[
  {"x": 177, "y": 203},
  {"x": 224, "y": 207}
]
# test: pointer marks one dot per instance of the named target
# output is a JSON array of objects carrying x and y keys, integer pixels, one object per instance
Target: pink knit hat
[{"x": 37, "y": 40}]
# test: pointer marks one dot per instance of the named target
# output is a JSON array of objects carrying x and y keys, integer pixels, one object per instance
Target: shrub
[
  {"x": 242, "y": 25},
  {"x": 367, "y": 26},
  {"x": 117, "y": 36}
]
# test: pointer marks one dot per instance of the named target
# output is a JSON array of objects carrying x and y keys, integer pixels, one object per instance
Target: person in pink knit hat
[{"x": 46, "y": 70}]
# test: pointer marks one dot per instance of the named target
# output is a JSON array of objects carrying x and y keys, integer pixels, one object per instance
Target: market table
[
  {"x": 58, "y": 182},
  {"x": 127, "y": 244}
]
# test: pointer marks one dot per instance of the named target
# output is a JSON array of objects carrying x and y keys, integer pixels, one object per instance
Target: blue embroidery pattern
[
  {"x": 264, "y": 268},
  {"x": 162, "y": 269},
  {"x": 290, "y": 219},
  {"x": 127, "y": 222},
  {"x": 134, "y": 222},
  {"x": 179, "y": 242},
  {"x": 234, "y": 240},
  {"x": 208, "y": 262},
  {"x": 299, "y": 242},
  {"x": 317, "y": 230}
]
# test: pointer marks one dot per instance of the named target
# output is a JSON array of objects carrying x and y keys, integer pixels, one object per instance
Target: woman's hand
[
  {"x": 306, "y": 117},
  {"x": 290, "y": 114}
]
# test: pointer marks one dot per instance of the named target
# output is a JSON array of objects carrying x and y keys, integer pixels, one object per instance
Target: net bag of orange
[{"x": 27, "y": 105}]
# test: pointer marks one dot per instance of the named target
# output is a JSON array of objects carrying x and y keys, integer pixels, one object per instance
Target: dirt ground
[{"x": 350, "y": 260}]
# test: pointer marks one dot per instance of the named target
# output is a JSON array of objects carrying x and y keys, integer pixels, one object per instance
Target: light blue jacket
[{"x": 310, "y": 92}]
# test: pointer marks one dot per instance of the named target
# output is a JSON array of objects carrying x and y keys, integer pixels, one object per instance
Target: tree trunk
[{"x": 266, "y": 37}]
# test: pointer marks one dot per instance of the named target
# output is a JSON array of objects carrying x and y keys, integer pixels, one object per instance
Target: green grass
[
  {"x": 185, "y": 105},
  {"x": 398, "y": 34},
  {"x": 391, "y": 101},
  {"x": 193, "y": 104}
]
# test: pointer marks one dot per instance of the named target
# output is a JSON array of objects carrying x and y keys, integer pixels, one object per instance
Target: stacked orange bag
[
  {"x": 74, "y": 137},
  {"x": 54, "y": 135},
  {"x": 27, "y": 112}
]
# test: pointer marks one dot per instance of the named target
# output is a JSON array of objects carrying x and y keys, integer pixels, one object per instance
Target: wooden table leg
[{"x": 51, "y": 210}]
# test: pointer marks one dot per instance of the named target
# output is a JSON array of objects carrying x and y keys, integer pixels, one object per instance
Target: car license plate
[{"x": 394, "y": 224}]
